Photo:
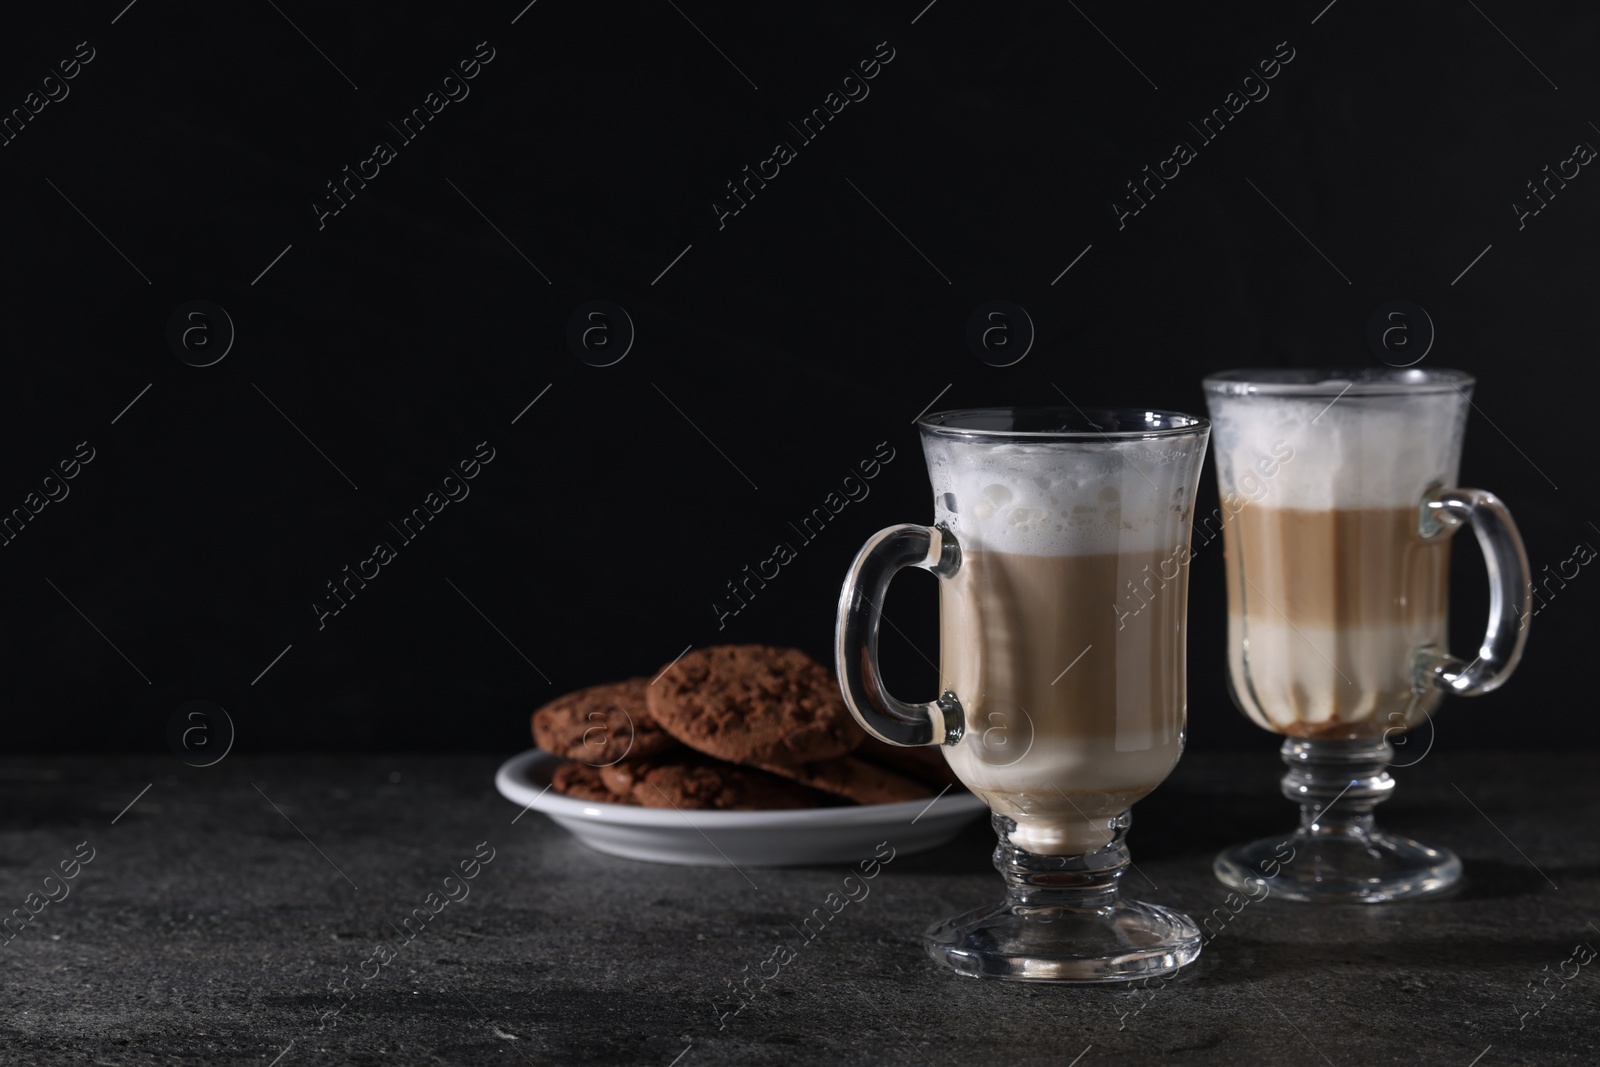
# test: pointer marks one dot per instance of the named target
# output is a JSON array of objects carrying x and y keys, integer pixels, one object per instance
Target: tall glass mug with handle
[
  {"x": 1061, "y": 697},
  {"x": 1339, "y": 500}
]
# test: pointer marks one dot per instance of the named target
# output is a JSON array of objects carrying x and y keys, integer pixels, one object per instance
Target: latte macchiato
[
  {"x": 1337, "y": 560},
  {"x": 1074, "y": 709},
  {"x": 1333, "y": 593},
  {"x": 1061, "y": 546}
]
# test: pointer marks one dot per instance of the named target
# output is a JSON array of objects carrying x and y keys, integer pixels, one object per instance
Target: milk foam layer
[
  {"x": 1064, "y": 499},
  {"x": 1352, "y": 452}
]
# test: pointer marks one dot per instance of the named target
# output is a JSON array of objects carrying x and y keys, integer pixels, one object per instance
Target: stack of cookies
[{"x": 731, "y": 727}]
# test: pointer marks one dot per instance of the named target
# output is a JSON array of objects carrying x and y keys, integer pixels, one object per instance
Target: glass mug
[
  {"x": 1058, "y": 712},
  {"x": 1339, "y": 501}
]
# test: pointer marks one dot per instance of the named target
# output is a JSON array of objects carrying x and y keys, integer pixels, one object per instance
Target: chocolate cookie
[
  {"x": 720, "y": 786},
  {"x": 582, "y": 782},
  {"x": 856, "y": 779},
  {"x": 754, "y": 704},
  {"x": 601, "y": 725}
]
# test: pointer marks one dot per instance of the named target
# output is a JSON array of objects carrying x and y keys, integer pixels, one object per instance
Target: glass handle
[
  {"x": 886, "y": 553},
  {"x": 1510, "y": 590}
]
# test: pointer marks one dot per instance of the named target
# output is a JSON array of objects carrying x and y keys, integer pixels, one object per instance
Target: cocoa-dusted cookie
[
  {"x": 601, "y": 725},
  {"x": 854, "y": 779},
  {"x": 925, "y": 763},
  {"x": 720, "y": 786},
  {"x": 754, "y": 704},
  {"x": 582, "y": 782}
]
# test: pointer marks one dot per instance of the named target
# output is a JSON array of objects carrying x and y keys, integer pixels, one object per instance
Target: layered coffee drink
[
  {"x": 1327, "y": 611},
  {"x": 1334, "y": 593},
  {"x": 1339, "y": 499},
  {"x": 1061, "y": 549},
  {"x": 1072, "y": 685}
]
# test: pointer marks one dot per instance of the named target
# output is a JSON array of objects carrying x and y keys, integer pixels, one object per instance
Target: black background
[{"x": 793, "y": 340}]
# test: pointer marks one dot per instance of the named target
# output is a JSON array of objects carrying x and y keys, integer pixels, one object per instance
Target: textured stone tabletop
[{"x": 213, "y": 917}]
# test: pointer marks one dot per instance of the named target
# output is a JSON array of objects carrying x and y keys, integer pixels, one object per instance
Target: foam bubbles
[
  {"x": 1353, "y": 452},
  {"x": 1065, "y": 498}
]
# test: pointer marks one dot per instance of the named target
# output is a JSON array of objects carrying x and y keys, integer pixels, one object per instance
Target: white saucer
[{"x": 741, "y": 838}]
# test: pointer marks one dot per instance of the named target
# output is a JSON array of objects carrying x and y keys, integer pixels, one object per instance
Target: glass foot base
[
  {"x": 1120, "y": 941},
  {"x": 1366, "y": 867}
]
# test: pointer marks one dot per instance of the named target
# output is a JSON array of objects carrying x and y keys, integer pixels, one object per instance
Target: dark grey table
[{"x": 219, "y": 908}]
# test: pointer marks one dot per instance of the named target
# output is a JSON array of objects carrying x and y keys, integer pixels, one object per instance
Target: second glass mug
[
  {"x": 1060, "y": 704},
  {"x": 1340, "y": 488}
]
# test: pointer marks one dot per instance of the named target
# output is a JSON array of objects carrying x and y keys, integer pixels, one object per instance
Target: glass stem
[
  {"x": 1088, "y": 882},
  {"x": 1337, "y": 783}
]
